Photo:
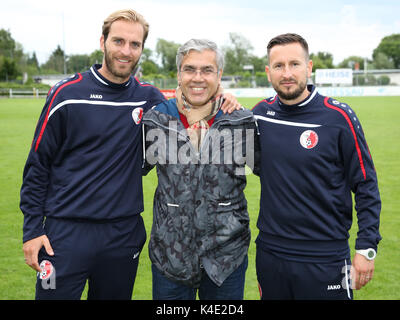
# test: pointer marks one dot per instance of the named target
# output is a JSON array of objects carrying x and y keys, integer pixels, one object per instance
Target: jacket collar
[
  {"x": 95, "y": 72},
  {"x": 313, "y": 92}
]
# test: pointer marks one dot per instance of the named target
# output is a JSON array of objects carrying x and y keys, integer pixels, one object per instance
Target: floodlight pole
[
  {"x": 365, "y": 66},
  {"x": 64, "y": 58}
]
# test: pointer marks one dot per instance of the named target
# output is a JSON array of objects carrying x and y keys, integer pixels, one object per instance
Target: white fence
[
  {"x": 326, "y": 91},
  {"x": 248, "y": 92},
  {"x": 20, "y": 93}
]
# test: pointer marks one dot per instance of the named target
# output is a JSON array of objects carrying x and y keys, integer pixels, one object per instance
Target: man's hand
[
  {"x": 362, "y": 271},
  {"x": 31, "y": 250},
  {"x": 230, "y": 103}
]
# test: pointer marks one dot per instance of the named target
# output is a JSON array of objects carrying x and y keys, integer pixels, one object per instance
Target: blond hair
[{"x": 127, "y": 15}]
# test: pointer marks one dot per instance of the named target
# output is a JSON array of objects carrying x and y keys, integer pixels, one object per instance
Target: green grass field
[{"x": 378, "y": 115}]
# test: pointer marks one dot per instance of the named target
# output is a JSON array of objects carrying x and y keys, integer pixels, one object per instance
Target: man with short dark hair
[{"x": 313, "y": 156}]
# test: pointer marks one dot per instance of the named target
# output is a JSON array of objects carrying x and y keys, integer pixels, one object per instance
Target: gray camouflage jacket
[{"x": 200, "y": 218}]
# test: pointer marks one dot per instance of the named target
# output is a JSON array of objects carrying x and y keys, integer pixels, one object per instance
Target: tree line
[{"x": 160, "y": 63}]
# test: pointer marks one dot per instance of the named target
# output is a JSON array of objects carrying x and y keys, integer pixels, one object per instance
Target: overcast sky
[{"x": 343, "y": 28}]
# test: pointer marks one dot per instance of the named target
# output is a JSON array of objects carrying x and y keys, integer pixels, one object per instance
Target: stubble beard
[
  {"x": 113, "y": 70},
  {"x": 291, "y": 95}
]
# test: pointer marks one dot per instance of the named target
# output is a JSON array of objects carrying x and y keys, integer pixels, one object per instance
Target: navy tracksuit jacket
[
  {"x": 82, "y": 185},
  {"x": 314, "y": 155},
  {"x": 86, "y": 156}
]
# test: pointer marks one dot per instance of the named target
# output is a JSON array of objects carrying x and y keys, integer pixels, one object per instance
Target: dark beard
[
  {"x": 291, "y": 95},
  {"x": 114, "y": 72}
]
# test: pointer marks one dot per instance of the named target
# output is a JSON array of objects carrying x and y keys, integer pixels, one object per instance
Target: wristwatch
[{"x": 369, "y": 253}]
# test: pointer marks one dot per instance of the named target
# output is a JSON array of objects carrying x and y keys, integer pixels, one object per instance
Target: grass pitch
[{"x": 378, "y": 115}]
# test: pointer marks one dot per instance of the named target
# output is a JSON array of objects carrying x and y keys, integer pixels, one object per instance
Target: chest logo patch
[
  {"x": 309, "y": 139},
  {"x": 137, "y": 115}
]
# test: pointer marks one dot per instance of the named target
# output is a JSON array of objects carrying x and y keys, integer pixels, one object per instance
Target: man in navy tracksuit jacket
[
  {"x": 82, "y": 184},
  {"x": 313, "y": 155}
]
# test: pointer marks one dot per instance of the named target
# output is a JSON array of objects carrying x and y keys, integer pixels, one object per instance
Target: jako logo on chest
[{"x": 96, "y": 96}]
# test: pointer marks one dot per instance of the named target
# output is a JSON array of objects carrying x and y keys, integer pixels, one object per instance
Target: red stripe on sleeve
[
  {"x": 49, "y": 108},
  {"x": 265, "y": 100},
  {"x": 344, "y": 114}
]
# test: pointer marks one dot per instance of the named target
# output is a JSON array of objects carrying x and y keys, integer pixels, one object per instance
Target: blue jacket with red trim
[
  {"x": 313, "y": 156},
  {"x": 86, "y": 156}
]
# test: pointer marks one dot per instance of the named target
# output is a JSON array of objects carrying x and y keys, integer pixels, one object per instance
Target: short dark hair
[{"x": 286, "y": 39}]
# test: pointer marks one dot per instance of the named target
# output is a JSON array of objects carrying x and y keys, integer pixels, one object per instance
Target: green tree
[
  {"x": 96, "y": 57},
  {"x": 30, "y": 65},
  {"x": 166, "y": 51},
  {"x": 8, "y": 69},
  {"x": 55, "y": 63},
  {"x": 322, "y": 60},
  {"x": 14, "y": 60},
  {"x": 78, "y": 63},
  {"x": 7, "y": 44},
  {"x": 390, "y": 46},
  {"x": 382, "y": 61},
  {"x": 33, "y": 61},
  {"x": 351, "y": 62},
  {"x": 258, "y": 63},
  {"x": 147, "y": 64},
  {"x": 237, "y": 54}
]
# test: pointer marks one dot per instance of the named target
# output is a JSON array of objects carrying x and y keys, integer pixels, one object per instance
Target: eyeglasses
[{"x": 205, "y": 71}]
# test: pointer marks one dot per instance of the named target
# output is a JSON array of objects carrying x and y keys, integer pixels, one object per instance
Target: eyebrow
[
  {"x": 290, "y": 61},
  {"x": 121, "y": 38},
  {"x": 194, "y": 67}
]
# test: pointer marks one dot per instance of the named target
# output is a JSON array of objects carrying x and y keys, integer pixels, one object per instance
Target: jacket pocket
[
  {"x": 174, "y": 205},
  {"x": 168, "y": 220},
  {"x": 232, "y": 217}
]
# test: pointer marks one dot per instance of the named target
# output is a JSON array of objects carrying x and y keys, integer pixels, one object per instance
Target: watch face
[{"x": 370, "y": 254}]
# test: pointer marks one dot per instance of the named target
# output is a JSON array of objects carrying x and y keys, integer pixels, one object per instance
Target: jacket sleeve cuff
[
  {"x": 365, "y": 243},
  {"x": 33, "y": 227}
]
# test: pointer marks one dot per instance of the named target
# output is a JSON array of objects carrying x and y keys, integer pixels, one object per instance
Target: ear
[
  {"x": 220, "y": 76},
  {"x": 309, "y": 68},
  {"x": 178, "y": 76},
  {"x": 267, "y": 72},
  {"x": 102, "y": 43}
]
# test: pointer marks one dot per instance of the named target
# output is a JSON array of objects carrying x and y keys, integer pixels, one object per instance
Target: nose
[
  {"x": 287, "y": 73},
  {"x": 126, "y": 49},
  {"x": 198, "y": 75}
]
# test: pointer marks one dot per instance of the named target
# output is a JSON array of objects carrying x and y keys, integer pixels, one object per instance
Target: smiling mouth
[
  {"x": 198, "y": 89},
  {"x": 123, "y": 60}
]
